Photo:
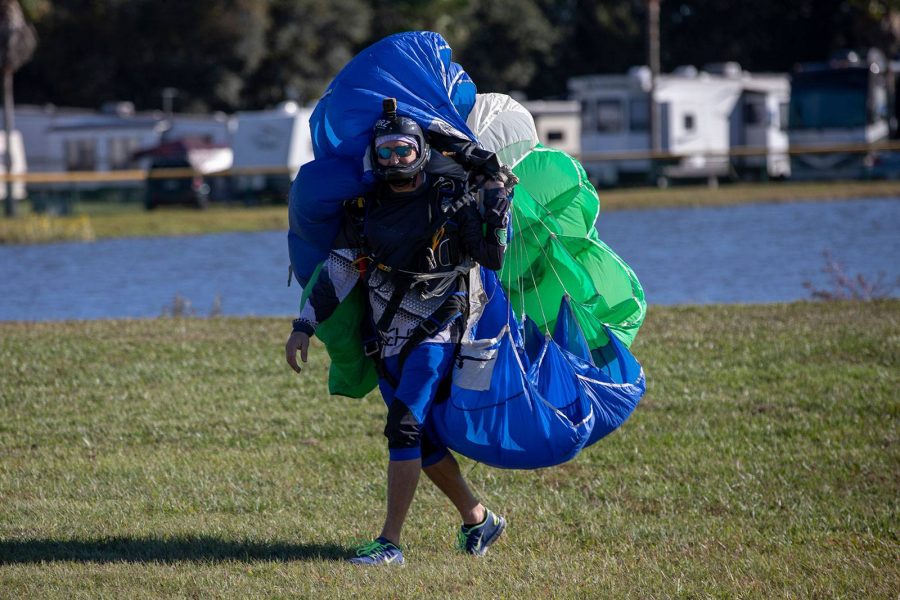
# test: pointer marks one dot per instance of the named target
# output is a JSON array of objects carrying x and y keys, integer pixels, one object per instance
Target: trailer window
[
  {"x": 752, "y": 113},
  {"x": 555, "y": 136},
  {"x": 80, "y": 155},
  {"x": 688, "y": 121},
  {"x": 120, "y": 153},
  {"x": 827, "y": 107},
  {"x": 588, "y": 115},
  {"x": 638, "y": 115},
  {"x": 609, "y": 116}
]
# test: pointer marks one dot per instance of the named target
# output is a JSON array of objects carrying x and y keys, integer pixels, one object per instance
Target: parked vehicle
[
  {"x": 181, "y": 173},
  {"x": 848, "y": 100},
  {"x": 269, "y": 147}
]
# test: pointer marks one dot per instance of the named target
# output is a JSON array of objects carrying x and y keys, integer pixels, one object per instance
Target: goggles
[{"x": 385, "y": 152}]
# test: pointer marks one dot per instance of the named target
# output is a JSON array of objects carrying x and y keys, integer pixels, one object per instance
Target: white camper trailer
[
  {"x": 269, "y": 147},
  {"x": 703, "y": 116},
  {"x": 61, "y": 140},
  {"x": 558, "y": 123}
]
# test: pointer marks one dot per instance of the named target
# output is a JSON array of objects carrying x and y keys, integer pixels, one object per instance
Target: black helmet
[{"x": 391, "y": 123}]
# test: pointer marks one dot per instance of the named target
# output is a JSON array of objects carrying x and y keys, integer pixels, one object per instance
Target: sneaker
[
  {"x": 476, "y": 538},
  {"x": 378, "y": 552}
]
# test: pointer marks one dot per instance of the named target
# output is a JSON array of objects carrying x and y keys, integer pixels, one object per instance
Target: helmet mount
[{"x": 391, "y": 123}]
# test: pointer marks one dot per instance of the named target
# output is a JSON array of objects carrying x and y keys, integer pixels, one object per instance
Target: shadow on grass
[{"x": 127, "y": 549}]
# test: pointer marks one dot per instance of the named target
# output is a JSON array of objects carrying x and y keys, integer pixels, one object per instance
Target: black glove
[{"x": 496, "y": 206}]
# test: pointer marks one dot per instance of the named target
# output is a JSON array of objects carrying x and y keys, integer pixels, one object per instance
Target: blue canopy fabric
[{"x": 544, "y": 399}]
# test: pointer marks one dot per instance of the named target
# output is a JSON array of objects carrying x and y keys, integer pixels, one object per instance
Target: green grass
[
  {"x": 186, "y": 221},
  {"x": 742, "y": 193},
  {"x": 181, "y": 457},
  {"x": 118, "y": 219}
]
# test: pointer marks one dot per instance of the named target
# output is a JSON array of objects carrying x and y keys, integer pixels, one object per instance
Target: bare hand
[{"x": 297, "y": 341}]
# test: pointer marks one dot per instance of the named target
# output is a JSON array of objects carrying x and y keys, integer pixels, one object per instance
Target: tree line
[{"x": 249, "y": 54}]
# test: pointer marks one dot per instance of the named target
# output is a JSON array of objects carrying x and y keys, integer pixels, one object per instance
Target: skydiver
[{"x": 411, "y": 242}]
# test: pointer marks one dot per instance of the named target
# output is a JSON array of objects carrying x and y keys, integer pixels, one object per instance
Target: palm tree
[{"x": 17, "y": 43}]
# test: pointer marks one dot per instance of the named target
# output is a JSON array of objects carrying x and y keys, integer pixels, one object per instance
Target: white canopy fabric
[{"x": 503, "y": 126}]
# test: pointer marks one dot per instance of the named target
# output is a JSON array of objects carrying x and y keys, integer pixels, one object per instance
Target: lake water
[{"x": 740, "y": 254}]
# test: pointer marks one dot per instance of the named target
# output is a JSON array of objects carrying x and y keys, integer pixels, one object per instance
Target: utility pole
[
  {"x": 653, "y": 62},
  {"x": 9, "y": 204},
  {"x": 17, "y": 43},
  {"x": 168, "y": 101}
]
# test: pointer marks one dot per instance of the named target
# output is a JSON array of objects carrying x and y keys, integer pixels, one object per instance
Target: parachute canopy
[{"x": 544, "y": 368}]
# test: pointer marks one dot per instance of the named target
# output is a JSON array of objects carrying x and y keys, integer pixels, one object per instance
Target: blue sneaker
[
  {"x": 476, "y": 539},
  {"x": 380, "y": 552}
]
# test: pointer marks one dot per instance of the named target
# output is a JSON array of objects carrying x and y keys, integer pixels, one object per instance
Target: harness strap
[
  {"x": 455, "y": 307},
  {"x": 391, "y": 309}
]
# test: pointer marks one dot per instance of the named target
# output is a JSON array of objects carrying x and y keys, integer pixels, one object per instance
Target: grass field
[
  {"x": 181, "y": 457},
  {"x": 109, "y": 220}
]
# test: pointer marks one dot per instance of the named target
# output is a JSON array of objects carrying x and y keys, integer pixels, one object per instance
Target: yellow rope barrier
[
  {"x": 740, "y": 151},
  {"x": 138, "y": 175}
]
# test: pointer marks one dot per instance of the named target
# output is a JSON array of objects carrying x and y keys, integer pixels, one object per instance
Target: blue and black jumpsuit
[{"x": 412, "y": 252}]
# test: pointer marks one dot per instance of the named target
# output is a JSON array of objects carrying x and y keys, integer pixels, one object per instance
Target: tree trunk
[{"x": 8, "y": 126}]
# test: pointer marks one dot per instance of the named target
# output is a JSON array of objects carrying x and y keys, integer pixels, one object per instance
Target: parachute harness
[{"x": 442, "y": 280}]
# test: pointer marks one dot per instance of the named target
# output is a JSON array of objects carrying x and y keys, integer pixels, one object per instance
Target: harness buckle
[
  {"x": 371, "y": 347},
  {"x": 429, "y": 258},
  {"x": 430, "y": 327}
]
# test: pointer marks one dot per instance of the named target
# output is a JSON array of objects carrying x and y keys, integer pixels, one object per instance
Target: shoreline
[{"x": 94, "y": 221}]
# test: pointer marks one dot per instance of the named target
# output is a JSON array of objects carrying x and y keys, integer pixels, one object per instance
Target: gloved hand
[
  {"x": 495, "y": 204},
  {"x": 508, "y": 178}
]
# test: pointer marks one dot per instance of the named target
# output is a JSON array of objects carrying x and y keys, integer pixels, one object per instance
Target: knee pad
[{"x": 402, "y": 430}]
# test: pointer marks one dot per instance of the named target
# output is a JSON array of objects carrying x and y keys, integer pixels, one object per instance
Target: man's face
[{"x": 397, "y": 152}]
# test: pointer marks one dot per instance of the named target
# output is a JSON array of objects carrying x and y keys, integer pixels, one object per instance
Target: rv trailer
[
  {"x": 703, "y": 116},
  {"x": 846, "y": 101}
]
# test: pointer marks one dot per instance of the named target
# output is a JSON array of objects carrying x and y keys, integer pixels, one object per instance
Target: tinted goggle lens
[{"x": 401, "y": 151}]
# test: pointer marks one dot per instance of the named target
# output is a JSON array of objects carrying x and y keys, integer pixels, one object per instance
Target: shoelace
[
  {"x": 373, "y": 549},
  {"x": 462, "y": 537}
]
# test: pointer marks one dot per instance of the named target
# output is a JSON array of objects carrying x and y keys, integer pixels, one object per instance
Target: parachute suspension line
[
  {"x": 521, "y": 279},
  {"x": 523, "y": 254},
  {"x": 509, "y": 277},
  {"x": 518, "y": 251},
  {"x": 638, "y": 318},
  {"x": 546, "y": 256},
  {"x": 534, "y": 281},
  {"x": 509, "y": 283},
  {"x": 618, "y": 259}
]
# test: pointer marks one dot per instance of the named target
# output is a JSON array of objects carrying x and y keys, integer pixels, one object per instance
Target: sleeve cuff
[{"x": 302, "y": 325}]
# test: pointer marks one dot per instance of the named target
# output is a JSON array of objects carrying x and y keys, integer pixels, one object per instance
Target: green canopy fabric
[{"x": 556, "y": 250}]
